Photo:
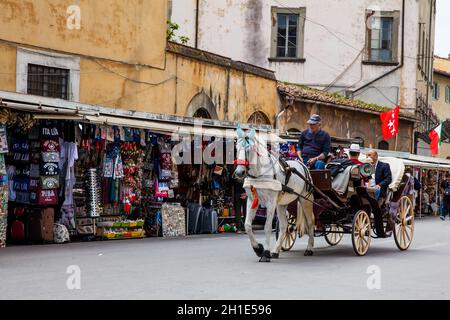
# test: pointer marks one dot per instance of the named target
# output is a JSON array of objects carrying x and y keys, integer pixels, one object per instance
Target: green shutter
[{"x": 447, "y": 94}]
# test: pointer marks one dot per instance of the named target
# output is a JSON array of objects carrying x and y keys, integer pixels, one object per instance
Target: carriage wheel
[
  {"x": 290, "y": 235},
  {"x": 404, "y": 224},
  {"x": 335, "y": 236},
  {"x": 361, "y": 231}
]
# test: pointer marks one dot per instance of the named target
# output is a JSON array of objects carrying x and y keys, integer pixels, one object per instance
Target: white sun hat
[{"x": 354, "y": 148}]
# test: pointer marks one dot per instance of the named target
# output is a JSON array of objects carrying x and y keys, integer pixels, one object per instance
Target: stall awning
[
  {"x": 155, "y": 126},
  {"x": 51, "y": 108}
]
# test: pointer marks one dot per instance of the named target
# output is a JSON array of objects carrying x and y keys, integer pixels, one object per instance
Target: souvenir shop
[{"x": 68, "y": 180}]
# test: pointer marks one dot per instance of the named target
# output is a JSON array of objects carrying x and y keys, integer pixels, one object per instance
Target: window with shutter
[{"x": 447, "y": 94}]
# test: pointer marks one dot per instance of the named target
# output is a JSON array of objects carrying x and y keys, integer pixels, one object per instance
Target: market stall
[{"x": 101, "y": 178}]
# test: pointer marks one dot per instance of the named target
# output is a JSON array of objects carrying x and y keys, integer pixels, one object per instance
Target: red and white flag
[
  {"x": 436, "y": 137},
  {"x": 389, "y": 123}
]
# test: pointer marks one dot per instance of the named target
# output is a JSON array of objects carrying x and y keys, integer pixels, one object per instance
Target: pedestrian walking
[{"x": 445, "y": 189}]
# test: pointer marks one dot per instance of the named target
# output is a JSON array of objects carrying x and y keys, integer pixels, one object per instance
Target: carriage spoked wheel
[
  {"x": 290, "y": 234},
  {"x": 404, "y": 224},
  {"x": 335, "y": 236},
  {"x": 361, "y": 233}
]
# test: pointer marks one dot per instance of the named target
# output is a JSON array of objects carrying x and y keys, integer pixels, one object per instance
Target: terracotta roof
[
  {"x": 441, "y": 66},
  {"x": 442, "y": 72},
  {"x": 299, "y": 92},
  {"x": 216, "y": 59}
]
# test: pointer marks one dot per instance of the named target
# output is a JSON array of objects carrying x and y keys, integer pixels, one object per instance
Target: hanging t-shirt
[
  {"x": 70, "y": 180},
  {"x": 50, "y": 145},
  {"x": 108, "y": 166},
  {"x": 118, "y": 168},
  {"x": 49, "y": 169}
]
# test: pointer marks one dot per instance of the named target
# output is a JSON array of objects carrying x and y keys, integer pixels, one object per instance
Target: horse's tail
[
  {"x": 305, "y": 215},
  {"x": 302, "y": 224}
]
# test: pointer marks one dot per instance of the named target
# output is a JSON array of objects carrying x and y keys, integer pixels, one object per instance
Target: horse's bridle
[{"x": 246, "y": 163}]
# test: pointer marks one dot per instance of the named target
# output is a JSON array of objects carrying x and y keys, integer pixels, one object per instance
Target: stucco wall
[
  {"x": 130, "y": 31},
  {"x": 7, "y": 67},
  {"x": 232, "y": 94},
  {"x": 440, "y": 107},
  {"x": 242, "y": 30},
  {"x": 346, "y": 124}
]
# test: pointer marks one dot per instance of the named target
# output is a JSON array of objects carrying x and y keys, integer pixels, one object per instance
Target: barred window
[{"x": 48, "y": 81}]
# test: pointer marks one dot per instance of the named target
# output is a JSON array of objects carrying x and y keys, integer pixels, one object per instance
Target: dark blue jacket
[
  {"x": 312, "y": 145},
  {"x": 383, "y": 176}
]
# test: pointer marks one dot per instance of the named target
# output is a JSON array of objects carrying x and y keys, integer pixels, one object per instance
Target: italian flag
[{"x": 435, "y": 137}]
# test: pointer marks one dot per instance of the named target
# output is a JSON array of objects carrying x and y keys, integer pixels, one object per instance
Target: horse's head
[{"x": 245, "y": 142}]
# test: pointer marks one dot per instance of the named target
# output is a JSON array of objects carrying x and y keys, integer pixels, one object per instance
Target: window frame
[
  {"x": 40, "y": 81},
  {"x": 447, "y": 94},
  {"x": 301, "y": 13},
  {"x": 435, "y": 91},
  {"x": 395, "y": 15},
  {"x": 27, "y": 56}
]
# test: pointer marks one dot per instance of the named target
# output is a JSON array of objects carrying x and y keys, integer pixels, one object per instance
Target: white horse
[{"x": 264, "y": 177}]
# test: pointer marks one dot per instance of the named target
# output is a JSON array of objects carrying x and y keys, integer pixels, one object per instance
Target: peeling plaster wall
[
  {"x": 228, "y": 27},
  {"x": 234, "y": 94},
  {"x": 130, "y": 31}
]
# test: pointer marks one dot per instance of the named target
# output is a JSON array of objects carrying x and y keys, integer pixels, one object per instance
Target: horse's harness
[{"x": 285, "y": 168}]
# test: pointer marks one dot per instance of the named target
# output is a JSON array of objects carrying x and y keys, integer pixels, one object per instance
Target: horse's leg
[
  {"x": 307, "y": 208},
  {"x": 270, "y": 204},
  {"x": 251, "y": 213},
  {"x": 282, "y": 223}
]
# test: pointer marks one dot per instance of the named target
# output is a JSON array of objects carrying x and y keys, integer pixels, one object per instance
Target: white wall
[{"x": 242, "y": 30}]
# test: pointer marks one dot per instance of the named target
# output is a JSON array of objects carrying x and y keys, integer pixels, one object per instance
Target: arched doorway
[
  {"x": 383, "y": 145},
  {"x": 200, "y": 106},
  {"x": 258, "y": 118}
]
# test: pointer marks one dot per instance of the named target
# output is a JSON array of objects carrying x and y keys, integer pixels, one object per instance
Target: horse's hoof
[
  {"x": 265, "y": 257},
  {"x": 308, "y": 253},
  {"x": 275, "y": 255},
  {"x": 259, "y": 250}
]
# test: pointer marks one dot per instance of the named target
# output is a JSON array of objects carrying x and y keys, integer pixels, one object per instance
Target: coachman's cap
[{"x": 314, "y": 119}]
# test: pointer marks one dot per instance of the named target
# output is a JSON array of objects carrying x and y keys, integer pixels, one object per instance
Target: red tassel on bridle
[
  {"x": 255, "y": 202},
  {"x": 241, "y": 163}
]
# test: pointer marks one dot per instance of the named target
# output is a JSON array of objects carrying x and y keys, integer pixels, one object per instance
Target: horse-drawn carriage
[
  {"x": 325, "y": 206},
  {"x": 357, "y": 212}
]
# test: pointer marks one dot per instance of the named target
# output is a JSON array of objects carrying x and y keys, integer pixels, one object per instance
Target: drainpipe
[
  {"x": 402, "y": 57},
  {"x": 197, "y": 6}
]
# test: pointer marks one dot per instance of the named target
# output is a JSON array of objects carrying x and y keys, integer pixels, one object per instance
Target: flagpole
[{"x": 396, "y": 142}]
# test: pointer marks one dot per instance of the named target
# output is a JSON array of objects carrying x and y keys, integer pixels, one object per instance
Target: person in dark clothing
[
  {"x": 383, "y": 175},
  {"x": 240, "y": 204},
  {"x": 314, "y": 144},
  {"x": 445, "y": 189},
  {"x": 383, "y": 178}
]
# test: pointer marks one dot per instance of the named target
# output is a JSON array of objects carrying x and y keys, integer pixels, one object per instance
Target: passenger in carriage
[
  {"x": 314, "y": 144},
  {"x": 382, "y": 176},
  {"x": 354, "y": 152}
]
